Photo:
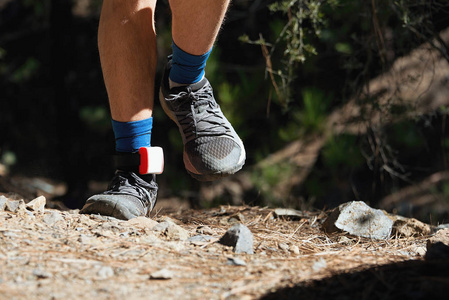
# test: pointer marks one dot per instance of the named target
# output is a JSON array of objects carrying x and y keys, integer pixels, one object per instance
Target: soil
[{"x": 59, "y": 254}]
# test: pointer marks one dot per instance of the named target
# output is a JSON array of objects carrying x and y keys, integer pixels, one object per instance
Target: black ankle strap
[{"x": 127, "y": 161}]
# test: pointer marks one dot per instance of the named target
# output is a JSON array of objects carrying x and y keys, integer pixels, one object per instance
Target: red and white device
[{"x": 151, "y": 160}]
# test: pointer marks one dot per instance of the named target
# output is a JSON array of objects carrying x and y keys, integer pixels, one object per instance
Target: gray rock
[
  {"x": 239, "y": 237},
  {"x": 51, "y": 217},
  {"x": 3, "y": 201},
  {"x": 200, "y": 239},
  {"x": 421, "y": 251},
  {"x": 40, "y": 274},
  {"x": 176, "y": 232},
  {"x": 437, "y": 228},
  {"x": 295, "y": 249},
  {"x": 14, "y": 205},
  {"x": 30, "y": 214},
  {"x": 234, "y": 261},
  {"x": 162, "y": 274},
  {"x": 105, "y": 272},
  {"x": 284, "y": 246},
  {"x": 409, "y": 227},
  {"x": 37, "y": 204},
  {"x": 288, "y": 213},
  {"x": 103, "y": 218},
  {"x": 204, "y": 230},
  {"x": 161, "y": 227},
  {"x": 359, "y": 219},
  {"x": 438, "y": 245}
]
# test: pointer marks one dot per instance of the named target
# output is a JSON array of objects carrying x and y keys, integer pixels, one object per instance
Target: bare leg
[
  {"x": 195, "y": 24},
  {"x": 127, "y": 46}
]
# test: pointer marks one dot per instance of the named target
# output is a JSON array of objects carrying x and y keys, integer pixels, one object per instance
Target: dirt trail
[{"x": 64, "y": 255}]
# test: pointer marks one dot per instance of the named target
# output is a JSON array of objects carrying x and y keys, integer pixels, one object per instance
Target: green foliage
[
  {"x": 2, "y": 53},
  {"x": 29, "y": 68},
  {"x": 314, "y": 113},
  {"x": 342, "y": 152},
  {"x": 295, "y": 34},
  {"x": 305, "y": 20},
  {"x": 406, "y": 134},
  {"x": 3, "y": 64},
  {"x": 8, "y": 158},
  {"x": 96, "y": 117},
  {"x": 268, "y": 178},
  {"x": 38, "y": 6},
  {"x": 311, "y": 119}
]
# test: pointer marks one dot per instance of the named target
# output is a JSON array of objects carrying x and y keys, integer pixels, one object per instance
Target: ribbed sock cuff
[
  {"x": 130, "y": 136},
  {"x": 187, "y": 68}
]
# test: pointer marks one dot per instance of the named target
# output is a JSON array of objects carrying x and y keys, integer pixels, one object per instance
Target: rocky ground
[{"x": 55, "y": 254}]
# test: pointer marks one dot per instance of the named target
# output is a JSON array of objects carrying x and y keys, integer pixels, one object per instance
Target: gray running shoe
[
  {"x": 212, "y": 148},
  {"x": 128, "y": 196}
]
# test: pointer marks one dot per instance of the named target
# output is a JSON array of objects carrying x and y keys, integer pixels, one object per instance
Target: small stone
[
  {"x": 223, "y": 222},
  {"x": 204, "y": 230},
  {"x": 233, "y": 220},
  {"x": 438, "y": 245},
  {"x": 10, "y": 234},
  {"x": 421, "y": 251},
  {"x": 234, "y": 261},
  {"x": 103, "y": 218},
  {"x": 37, "y": 204},
  {"x": 3, "y": 201},
  {"x": 284, "y": 246},
  {"x": 441, "y": 226},
  {"x": 142, "y": 222},
  {"x": 105, "y": 272},
  {"x": 237, "y": 217},
  {"x": 359, "y": 219},
  {"x": 295, "y": 250},
  {"x": 15, "y": 205},
  {"x": 319, "y": 265},
  {"x": 51, "y": 217},
  {"x": 239, "y": 237},
  {"x": 200, "y": 239},
  {"x": 409, "y": 227},
  {"x": 288, "y": 213},
  {"x": 30, "y": 214},
  {"x": 124, "y": 234},
  {"x": 345, "y": 240},
  {"x": 162, "y": 274},
  {"x": 176, "y": 232},
  {"x": 41, "y": 274},
  {"x": 161, "y": 227},
  {"x": 211, "y": 249}
]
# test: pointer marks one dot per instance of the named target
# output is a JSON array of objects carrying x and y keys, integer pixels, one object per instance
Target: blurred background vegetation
[{"x": 280, "y": 70}]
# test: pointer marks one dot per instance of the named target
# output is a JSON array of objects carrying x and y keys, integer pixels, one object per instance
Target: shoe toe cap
[
  {"x": 118, "y": 206},
  {"x": 220, "y": 156}
]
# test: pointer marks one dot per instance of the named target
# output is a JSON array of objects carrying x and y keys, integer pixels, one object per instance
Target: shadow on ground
[{"x": 407, "y": 280}]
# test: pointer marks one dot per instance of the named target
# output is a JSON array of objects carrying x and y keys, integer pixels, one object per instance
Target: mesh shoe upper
[
  {"x": 128, "y": 196},
  {"x": 212, "y": 149}
]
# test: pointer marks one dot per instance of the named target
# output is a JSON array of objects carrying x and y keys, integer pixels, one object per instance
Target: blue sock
[
  {"x": 187, "y": 68},
  {"x": 130, "y": 136}
]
